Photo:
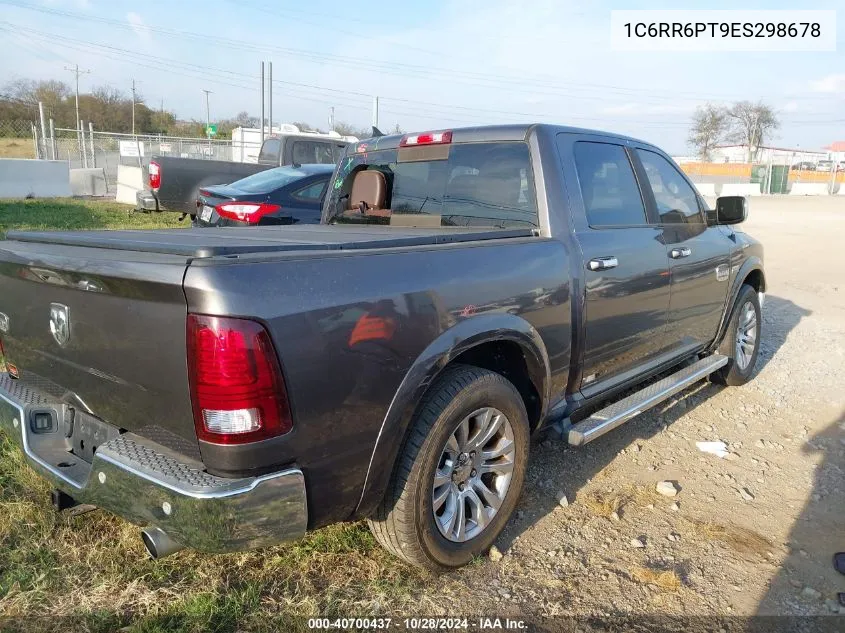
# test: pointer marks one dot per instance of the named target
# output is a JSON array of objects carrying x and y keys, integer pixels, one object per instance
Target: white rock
[
  {"x": 745, "y": 494},
  {"x": 674, "y": 507},
  {"x": 809, "y": 592},
  {"x": 667, "y": 488},
  {"x": 637, "y": 543},
  {"x": 562, "y": 500},
  {"x": 495, "y": 554}
]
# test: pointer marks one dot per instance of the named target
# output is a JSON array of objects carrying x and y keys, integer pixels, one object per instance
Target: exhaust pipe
[{"x": 158, "y": 543}]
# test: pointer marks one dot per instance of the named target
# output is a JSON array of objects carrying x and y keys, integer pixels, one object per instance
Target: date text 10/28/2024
[{"x": 417, "y": 624}]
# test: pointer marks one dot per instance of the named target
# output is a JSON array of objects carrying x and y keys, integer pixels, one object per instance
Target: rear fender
[{"x": 434, "y": 359}]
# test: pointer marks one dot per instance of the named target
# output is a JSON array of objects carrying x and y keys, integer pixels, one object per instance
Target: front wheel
[
  {"x": 459, "y": 473},
  {"x": 742, "y": 340}
]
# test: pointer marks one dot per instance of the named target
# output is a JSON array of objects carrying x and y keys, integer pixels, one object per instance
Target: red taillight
[
  {"x": 237, "y": 388},
  {"x": 427, "y": 138},
  {"x": 249, "y": 212},
  {"x": 155, "y": 175}
]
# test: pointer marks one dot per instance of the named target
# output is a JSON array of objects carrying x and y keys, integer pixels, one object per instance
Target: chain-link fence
[
  {"x": 109, "y": 150},
  {"x": 17, "y": 139}
]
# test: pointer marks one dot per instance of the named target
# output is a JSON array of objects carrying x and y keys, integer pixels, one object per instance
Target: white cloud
[
  {"x": 139, "y": 26},
  {"x": 832, "y": 84},
  {"x": 791, "y": 106}
]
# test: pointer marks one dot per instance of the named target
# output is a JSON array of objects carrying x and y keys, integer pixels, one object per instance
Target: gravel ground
[{"x": 751, "y": 534}]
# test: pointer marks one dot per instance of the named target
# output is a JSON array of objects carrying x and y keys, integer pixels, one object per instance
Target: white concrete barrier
[
  {"x": 741, "y": 189},
  {"x": 707, "y": 189},
  {"x": 809, "y": 189},
  {"x": 841, "y": 191},
  {"x": 30, "y": 178},
  {"x": 130, "y": 180},
  {"x": 88, "y": 182}
]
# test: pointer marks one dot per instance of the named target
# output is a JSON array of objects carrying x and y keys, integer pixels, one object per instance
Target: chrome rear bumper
[{"x": 150, "y": 485}]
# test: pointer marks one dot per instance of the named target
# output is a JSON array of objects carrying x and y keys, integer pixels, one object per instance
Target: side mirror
[{"x": 731, "y": 209}]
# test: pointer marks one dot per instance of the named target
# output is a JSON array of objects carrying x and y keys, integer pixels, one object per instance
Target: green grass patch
[{"x": 67, "y": 214}]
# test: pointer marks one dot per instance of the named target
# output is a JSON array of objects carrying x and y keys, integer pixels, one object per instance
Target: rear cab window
[
  {"x": 304, "y": 152},
  {"x": 479, "y": 184}
]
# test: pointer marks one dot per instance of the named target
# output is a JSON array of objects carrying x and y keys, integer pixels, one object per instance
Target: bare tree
[
  {"x": 347, "y": 129},
  {"x": 244, "y": 119},
  {"x": 751, "y": 124},
  {"x": 709, "y": 128}
]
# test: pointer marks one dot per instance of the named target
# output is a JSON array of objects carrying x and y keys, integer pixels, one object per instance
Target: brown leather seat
[{"x": 368, "y": 191}]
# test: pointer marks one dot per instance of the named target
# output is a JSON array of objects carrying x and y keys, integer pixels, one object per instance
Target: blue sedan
[{"x": 283, "y": 195}]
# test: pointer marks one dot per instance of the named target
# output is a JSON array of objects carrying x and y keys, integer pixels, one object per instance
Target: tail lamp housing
[
  {"x": 155, "y": 175},
  {"x": 237, "y": 387},
  {"x": 249, "y": 212}
]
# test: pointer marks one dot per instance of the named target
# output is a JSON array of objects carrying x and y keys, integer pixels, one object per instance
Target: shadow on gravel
[
  {"x": 559, "y": 468},
  {"x": 817, "y": 534},
  {"x": 780, "y": 316}
]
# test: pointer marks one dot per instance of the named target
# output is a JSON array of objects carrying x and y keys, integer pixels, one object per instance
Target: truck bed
[{"x": 202, "y": 243}]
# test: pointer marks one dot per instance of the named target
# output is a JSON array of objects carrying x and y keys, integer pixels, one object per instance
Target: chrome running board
[{"x": 623, "y": 410}]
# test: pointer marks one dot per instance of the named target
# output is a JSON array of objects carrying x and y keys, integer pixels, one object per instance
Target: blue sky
[{"x": 438, "y": 63}]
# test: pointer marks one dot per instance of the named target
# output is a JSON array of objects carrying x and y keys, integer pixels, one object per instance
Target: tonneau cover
[{"x": 205, "y": 242}]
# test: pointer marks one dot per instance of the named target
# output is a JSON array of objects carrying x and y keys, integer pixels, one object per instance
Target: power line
[
  {"x": 539, "y": 84},
  {"x": 433, "y": 110}
]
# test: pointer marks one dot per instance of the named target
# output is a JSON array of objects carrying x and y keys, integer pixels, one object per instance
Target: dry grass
[
  {"x": 738, "y": 538},
  {"x": 604, "y": 503},
  {"x": 16, "y": 148},
  {"x": 667, "y": 580},
  {"x": 91, "y": 573}
]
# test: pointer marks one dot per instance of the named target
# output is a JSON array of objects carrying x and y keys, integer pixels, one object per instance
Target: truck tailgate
[{"x": 124, "y": 359}]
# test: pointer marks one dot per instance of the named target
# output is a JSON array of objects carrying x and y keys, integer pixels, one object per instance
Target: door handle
[
  {"x": 603, "y": 263},
  {"x": 678, "y": 253}
]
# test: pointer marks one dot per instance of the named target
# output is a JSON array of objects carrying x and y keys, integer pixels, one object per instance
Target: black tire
[
  {"x": 734, "y": 374},
  {"x": 404, "y": 522}
]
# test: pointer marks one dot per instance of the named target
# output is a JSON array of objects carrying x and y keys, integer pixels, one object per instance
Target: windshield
[
  {"x": 464, "y": 184},
  {"x": 269, "y": 179}
]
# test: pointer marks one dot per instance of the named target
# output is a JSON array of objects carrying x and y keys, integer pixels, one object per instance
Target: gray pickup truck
[
  {"x": 175, "y": 182},
  {"x": 232, "y": 389}
]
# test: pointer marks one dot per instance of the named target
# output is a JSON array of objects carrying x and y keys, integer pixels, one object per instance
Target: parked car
[
  {"x": 283, "y": 195},
  {"x": 174, "y": 183},
  {"x": 824, "y": 165},
  {"x": 804, "y": 165},
  {"x": 232, "y": 389}
]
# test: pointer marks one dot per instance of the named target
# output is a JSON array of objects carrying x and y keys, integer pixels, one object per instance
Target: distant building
[
  {"x": 766, "y": 154},
  {"x": 837, "y": 151}
]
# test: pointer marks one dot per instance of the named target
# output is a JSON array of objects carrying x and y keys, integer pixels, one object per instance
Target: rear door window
[
  {"x": 313, "y": 192},
  {"x": 608, "y": 186},
  {"x": 676, "y": 200}
]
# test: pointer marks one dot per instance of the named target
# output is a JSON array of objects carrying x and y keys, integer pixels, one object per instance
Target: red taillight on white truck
[
  {"x": 155, "y": 175},
  {"x": 237, "y": 388}
]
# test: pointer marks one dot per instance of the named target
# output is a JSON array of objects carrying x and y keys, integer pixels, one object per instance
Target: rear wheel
[
  {"x": 459, "y": 473},
  {"x": 742, "y": 340}
]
